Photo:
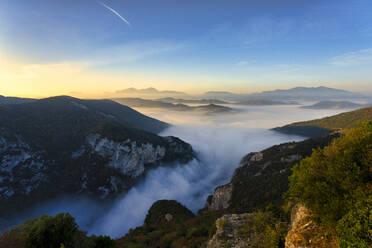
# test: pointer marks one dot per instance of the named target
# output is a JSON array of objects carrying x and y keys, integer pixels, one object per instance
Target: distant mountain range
[
  {"x": 14, "y": 100},
  {"x": 333, "y": 105},
  {"x": 191, "y": 101},
  {"x": 264, "y": 102},
  {"x": 277, "y": 97},
  {"x": 150, "y": 92},
  {"x": 293, "y": 94},
  {"x": 64, "y": 145},
  {"x": 304, "y": 92},
  {"x": 144, "y": 103}
]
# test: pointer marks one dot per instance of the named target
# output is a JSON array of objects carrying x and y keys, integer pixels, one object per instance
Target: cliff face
[
  {"x": 220, "y": 198},
  {"x": 304, "y": 232},
  {"x": 29, "y": 174},
  {"x": 22, "y": 170},
  {"x": 127, "y": 156}
]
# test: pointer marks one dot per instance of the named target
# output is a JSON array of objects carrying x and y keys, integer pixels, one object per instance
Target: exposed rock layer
[
  {"x": 220, "y": 198},
  {"x": 304, "y": 232}
]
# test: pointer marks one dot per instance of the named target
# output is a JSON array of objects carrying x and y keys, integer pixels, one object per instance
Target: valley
[
  {"x": 106, "y": 164},
  {"x": 185, "y": 124}
]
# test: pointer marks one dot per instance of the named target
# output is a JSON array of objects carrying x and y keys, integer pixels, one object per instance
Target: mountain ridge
[
  {"x": 327, "y": 125},
  {"x": 59, "y": 145},
  {"x": 295, "y": 93},
  {"x": 14, "y": 100}
]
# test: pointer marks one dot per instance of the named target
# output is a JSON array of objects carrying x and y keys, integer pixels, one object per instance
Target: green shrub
[
  {"x": 222, "y": 223},
  {"x": 104, "y": 242},
  {"x": 47, "y": 232},
  {"x": 335, "y": 184},
  {"x": 355, "y": 228},
  {"x": 51, "y": 231},
  {"x": 264, "y": 230}
]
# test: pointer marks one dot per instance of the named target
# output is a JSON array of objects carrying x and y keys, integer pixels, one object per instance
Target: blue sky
[{"x": 193, "y": 45}]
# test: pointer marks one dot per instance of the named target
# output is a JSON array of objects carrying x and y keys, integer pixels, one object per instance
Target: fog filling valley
[{"x": 220, "y": 142}]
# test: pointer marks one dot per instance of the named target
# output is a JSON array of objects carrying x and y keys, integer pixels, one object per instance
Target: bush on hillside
[
  {"x": 335, "y": 184},
  {"x": 60, "y": 231}
]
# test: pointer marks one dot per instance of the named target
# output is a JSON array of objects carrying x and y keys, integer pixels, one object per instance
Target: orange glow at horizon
[{"x": 76, "y": 79}]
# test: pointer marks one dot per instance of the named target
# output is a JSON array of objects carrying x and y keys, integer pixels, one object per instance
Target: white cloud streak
[
  {"x": 131, "y": 52},
  {"x": 353, "y": 58},
  {"x": 115, "y": 12}
]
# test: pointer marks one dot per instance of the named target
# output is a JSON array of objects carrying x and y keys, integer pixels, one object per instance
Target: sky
[{"x": 92, "y": 48}]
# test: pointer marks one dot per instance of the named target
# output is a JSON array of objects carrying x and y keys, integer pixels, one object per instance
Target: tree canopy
[{"x": 335, "y": 184}]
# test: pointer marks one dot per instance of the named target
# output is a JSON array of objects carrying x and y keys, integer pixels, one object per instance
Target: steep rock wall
[{"x": 220, "y": 198}]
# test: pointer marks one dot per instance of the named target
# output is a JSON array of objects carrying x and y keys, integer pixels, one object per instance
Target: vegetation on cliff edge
[{"x": 335, "y": 184}]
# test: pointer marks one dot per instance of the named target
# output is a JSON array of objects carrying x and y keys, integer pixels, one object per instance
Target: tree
[
  {"x": 51, "y": 231},
  {"x": 104, "y": 242}
]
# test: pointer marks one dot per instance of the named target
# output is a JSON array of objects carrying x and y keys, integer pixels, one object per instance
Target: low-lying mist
[{"x": 220, "y": 141}]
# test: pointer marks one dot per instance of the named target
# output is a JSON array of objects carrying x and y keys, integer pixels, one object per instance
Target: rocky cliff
[
  {"x": 220, "y": 198},
  {"x": 26, "y": 172},
  {"x": 304, "y": 232}
]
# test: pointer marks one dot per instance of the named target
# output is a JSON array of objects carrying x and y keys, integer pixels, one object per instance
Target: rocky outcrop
[
  {"x": 167, "y": 212},
  {"x": 291, "y": 158},
  {"x": 177, "y": 150},
  {"x": 228, "y": 232},
  {"x": 127, "y": 156},
  {"x": 22, "y": 170},
  {"x": 251, "y": 157},
  {"x": 304, "y": 232},
  {"x": 220, "y": 198}
]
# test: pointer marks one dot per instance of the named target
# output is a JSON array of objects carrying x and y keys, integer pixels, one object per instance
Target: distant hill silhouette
[
  {"x": 14, "y": 100},
  {"x": 294, "y": 94}
]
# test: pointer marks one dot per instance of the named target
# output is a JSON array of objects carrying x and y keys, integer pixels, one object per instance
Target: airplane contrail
[{"x": 115, "y": 12}]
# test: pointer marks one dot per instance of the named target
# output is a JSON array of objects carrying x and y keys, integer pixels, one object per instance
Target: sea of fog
[{"x": 220, "y": 142}]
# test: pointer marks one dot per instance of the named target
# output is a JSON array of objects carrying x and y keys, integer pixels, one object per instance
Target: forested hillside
[{"x": 326, "y": 125}]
